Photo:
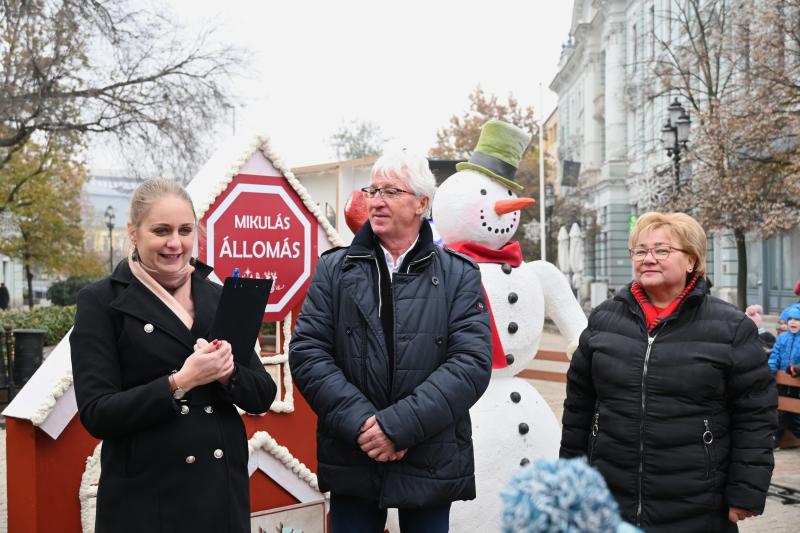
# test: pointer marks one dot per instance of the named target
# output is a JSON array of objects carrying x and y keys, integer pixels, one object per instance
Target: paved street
[{"x": 777, "y": 518}]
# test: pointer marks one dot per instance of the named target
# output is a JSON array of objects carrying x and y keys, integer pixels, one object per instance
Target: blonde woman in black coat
[
  {"x": 174, "y": 455},
  {"x": 669, "y": 394}
]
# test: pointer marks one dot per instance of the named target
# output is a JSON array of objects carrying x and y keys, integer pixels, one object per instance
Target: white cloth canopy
[{"x": 563, "y": 250}]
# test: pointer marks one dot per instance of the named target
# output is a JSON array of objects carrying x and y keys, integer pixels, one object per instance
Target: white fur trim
[
  {"x": 87, "y": 493},
  {"x": 263, "y": 440},
  {"x": 51, "y": 398},
  {"x": 285, "y": 404}
]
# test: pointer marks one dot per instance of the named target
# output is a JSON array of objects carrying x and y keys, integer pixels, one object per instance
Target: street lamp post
[
  {"x": 675, "y": 135},
  {"x": 549, "y": 205},
  {"x": 549, "y": 201},
  {"x": 110, "y": 216}
]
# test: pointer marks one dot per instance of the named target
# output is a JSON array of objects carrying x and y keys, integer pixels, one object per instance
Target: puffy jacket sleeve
[
  {"x": 106, "y": 410},
  {"x": 450, "y": 390},
  {"x": 753, "y": 400},
  {"x": 776, "y": 356},
  {"x": 336, "y": 401},
  {"x": 580, "y": 401}
]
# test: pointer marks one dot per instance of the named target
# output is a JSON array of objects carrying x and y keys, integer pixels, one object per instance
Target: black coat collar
[
  {"x": 365, "y": 243},
  {"x": 133, "y": 298}
]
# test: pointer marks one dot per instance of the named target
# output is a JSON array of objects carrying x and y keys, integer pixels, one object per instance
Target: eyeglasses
[
  {"x": 659, "y": 252},
  {"x": 386, "y": 192}
]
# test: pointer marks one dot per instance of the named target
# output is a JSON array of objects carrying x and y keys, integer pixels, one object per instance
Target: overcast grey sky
[{"x": 406, "y": 65}]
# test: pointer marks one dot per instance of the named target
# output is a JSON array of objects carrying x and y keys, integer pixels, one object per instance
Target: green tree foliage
[
  {"x": 43, "y": 222},
  {"x": 66, "y": 292},
  {"x": 358, "y": 139},
  {"x": 458, "y": 139},
  {"x": 55, "y": 321}
]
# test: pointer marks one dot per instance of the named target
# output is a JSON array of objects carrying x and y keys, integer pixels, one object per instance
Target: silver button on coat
[
  {"x": 190, "y": 459},
  {"x": 148, "y": 328},
  {"x": 218, "y": 453},
  {"x": 208, "y": 409},
  {"x": 184, "y": 409}
]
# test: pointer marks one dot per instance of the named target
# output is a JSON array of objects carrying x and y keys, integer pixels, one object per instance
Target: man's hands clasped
[
  {"x": 374, "y": 442},
  {"x": 210, "y": 361}
]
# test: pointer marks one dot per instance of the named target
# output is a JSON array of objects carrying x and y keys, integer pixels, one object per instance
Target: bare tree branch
[
  {"x": 107, "y": 66},
  {"x": 730, "y": 63}
]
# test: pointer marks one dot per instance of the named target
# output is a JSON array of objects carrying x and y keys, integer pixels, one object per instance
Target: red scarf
[
  {"x": 510, "y": 253},
  {"x": 652, "y": 314}
]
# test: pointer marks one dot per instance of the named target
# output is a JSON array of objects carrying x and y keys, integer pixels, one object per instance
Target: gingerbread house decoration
[{"x": 255, "y": 216}]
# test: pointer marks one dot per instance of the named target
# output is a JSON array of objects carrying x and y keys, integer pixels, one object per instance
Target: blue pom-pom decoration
[{"x": 564, "y": 496}]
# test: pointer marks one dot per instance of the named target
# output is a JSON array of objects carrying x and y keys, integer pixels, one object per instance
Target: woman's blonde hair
[
  {"x": 149, "y": 192},
  {"x": 689, "y": 233}
]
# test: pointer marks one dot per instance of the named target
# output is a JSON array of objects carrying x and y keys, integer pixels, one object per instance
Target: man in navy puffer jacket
[{"x": 391, "y": 350}]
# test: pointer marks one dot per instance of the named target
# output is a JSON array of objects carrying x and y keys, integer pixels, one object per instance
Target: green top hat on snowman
[{"x": 498, "y": 153}]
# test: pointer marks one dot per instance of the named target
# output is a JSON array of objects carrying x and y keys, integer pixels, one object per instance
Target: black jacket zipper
[
  {"x": 639, "y": 474},
  {"x": 636, "y": 310},
  {"x": 595, "y": 432},
  {"x": 708, "y": 439}
]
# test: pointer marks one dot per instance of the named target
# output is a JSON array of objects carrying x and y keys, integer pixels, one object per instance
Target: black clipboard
[{"x": 239, "y": 314}]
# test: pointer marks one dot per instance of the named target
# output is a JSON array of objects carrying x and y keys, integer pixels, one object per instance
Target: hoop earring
[{"x": 135, "y": 255}]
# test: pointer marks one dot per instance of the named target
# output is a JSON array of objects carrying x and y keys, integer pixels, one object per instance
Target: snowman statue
[{"x": 477, "y": 211}]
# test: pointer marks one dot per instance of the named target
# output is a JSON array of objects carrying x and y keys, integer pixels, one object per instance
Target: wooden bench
[
  {"x": 787, "y": 494},
  {"x": 788, "y": 405}
]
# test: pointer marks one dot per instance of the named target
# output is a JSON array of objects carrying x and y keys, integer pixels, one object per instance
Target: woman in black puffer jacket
[{"x": 669, "y": 394}]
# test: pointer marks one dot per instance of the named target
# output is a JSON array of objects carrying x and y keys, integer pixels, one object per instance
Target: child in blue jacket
[
  {"x": 786, "y": 356},
  {"x": 786, "y": 351}
]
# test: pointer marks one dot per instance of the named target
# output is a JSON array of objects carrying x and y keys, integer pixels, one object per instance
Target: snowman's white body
[
  {"x": 500, "y": 447},
  {"x": 527, "y": 310},
  {"x": 540, "y": 288}
]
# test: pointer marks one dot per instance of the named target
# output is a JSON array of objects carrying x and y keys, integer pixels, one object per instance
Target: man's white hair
[{"x": 412, "y": 169}]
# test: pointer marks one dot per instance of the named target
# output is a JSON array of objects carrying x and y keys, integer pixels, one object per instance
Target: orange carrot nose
[{"x": 506, "y": 206}]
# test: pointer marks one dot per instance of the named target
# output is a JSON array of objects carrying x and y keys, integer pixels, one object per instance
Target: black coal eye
[
  {"x": 509, "y": 193},
  {"x": 483, "y": 192}
]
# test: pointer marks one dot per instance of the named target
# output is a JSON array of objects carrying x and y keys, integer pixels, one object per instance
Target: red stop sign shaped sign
[{"x": 260, "y": 225}]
